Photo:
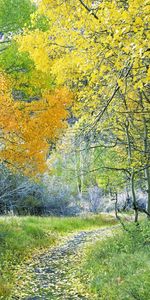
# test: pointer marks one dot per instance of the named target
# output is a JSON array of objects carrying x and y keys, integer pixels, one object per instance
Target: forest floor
[
  {"x": 55, "y": 274},
  {"x": 23, "y": 238},
  {"x": 87, "y": 257}
]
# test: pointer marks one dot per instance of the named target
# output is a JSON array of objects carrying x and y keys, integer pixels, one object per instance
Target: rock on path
[{"x": 54, "y": 274}]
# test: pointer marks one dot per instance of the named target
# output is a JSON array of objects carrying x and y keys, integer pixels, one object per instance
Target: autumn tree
[
  {"x": 101, "y": 52},
  {"x": 29, "y": 129},
  {"x": 33, "y": 109}
]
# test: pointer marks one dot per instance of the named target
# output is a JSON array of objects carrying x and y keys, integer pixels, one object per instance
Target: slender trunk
[
  {"x": 116, "y": 205},
  {"x": 11, "y": 209},
  {"x": 132, "y": 174},
  {"x": 148, "y": 190},
  {"x": 77, "y": 176},
  {"x": 116, "y": 212},
  {"x": 134, "y": 196},
  {"x": 147, "y": 156},
  {"x": 81, "y": 170},
  {"x": 147, "y": 170},
  {"x": 129, "y": 143}
]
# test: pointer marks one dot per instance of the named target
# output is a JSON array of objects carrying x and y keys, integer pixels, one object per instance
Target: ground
[{"x": 54, "y": 274}]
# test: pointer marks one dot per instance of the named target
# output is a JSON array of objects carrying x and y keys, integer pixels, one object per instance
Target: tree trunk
[
  {"x": 147, "y": 170},
  {"x": 77, "y": 176},
  {"x": 135, "y": 207},
  {"x": 147, "y": 155},
  {"x": 148, "y": 190},
  {"x": 116, "y": 212}
]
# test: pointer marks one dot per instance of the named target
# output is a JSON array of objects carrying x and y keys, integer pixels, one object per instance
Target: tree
[
  {"x": 14, "y": 15},
  {"x": 28, "y": 129},
  {"x": 101, "y": 52}
]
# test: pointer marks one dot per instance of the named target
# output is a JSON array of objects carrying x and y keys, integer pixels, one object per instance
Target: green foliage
[
  {"x": 41, "y": 23},
  {"x": 27, "y": 82},
  {"x": 15, "y": 14},
  {"x": 29, "y": 204},
  {"x": 11, "y": 60},
  {"x": 20, "y": 237},
  {"x": 105, "y": 161},
  {"x": 119, "y": 267}
]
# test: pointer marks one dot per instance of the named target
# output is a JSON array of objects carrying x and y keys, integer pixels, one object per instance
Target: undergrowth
[
  {"x": 119, "y": 267},
  {"x": 21, "y": 237}
]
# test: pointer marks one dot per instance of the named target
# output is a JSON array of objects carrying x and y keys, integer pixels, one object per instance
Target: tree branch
[{"x": 88, "y": 9}]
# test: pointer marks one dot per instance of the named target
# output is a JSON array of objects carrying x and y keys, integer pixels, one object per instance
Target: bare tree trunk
[
  {"x": 134, "y": 196},
  {"x": 132, "y": 174},
  {"x": 77, "y": 176},
  {"x": 147, "y": 171},
  {"x": 81, "y": 169},
  {"x": 116, "y": 205},
  {"x": 147, "y": 156},
  {"x": 148, "y": 190},
  {"x": 116, "y": 212}
]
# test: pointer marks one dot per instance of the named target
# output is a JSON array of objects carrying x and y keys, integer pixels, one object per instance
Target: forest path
[{"x": 53, "y": 275}]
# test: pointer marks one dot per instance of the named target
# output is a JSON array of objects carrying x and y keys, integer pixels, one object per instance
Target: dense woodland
[
  {"x": 74, "y": 149},
  {"x": 75, "y": 106}
]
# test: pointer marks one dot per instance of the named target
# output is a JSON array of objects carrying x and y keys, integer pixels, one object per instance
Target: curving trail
[{"x": 54, "y": 274}]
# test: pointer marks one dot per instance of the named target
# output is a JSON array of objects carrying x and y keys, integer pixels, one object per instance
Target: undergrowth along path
[{"x": 53, "y": 275}]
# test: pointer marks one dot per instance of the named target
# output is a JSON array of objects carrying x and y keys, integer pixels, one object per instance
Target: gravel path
[{"x": 54, "y": 274}]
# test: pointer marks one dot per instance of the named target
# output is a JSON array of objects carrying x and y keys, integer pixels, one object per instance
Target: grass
[
  {"x": 119, "y": 267},
  {"x": 21, "y": 237}
]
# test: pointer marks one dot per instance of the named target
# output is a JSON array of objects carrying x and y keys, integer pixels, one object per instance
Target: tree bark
[
  {"x": 148, "y": 191},
  {"x": 147, "y": 157},
  {"x": 135, "y": 207}
]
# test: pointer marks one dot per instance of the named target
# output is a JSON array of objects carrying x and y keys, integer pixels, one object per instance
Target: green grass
[
  {"x": 119, "y": 267},
  {"x": 21, "y": 237}
]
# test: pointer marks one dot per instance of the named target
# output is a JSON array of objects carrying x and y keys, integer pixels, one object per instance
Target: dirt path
[{"x": 54, "y": 274}]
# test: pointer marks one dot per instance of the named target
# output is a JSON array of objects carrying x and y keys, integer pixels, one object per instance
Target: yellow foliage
[{"x": 102, "y": 55}]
